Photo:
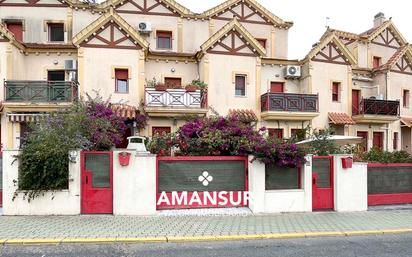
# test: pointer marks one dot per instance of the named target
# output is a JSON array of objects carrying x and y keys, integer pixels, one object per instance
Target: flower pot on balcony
[
  {"x": 160, "y": 87},
  {"x": 124, "y": 158},
  {"x": 191, "y": 88}
]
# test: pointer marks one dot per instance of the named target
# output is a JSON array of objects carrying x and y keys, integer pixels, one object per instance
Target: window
[
  {"x": 56, "y": 75},
  {"x": 121, "y": 80},
  {"x": 15, "y": 27},
  {"x": 364, "y": 136},
  {"x": 262, "y": 42},
  {"x": 406, "y": 98},
  {"x": 160, "y": 130},
  {"x": 395, "y": 140},
  {"x": 173, "y": 82},
  {"x": 296, "y": 133},
  {"x": 240, "y": 85},
  {"x": 164, "y": 39},
  {"x": 275, "y": 133},
  {"x": 276, "y": 87},
  {"x": 376, "y": 62},
  {"x": 56, "y": 32},
  {"x": 335, "y": 91}
]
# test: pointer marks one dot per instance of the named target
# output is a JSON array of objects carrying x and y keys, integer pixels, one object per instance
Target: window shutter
[
  {"x": 16, "y": 29},
  {"x": 122, "y": 74}
]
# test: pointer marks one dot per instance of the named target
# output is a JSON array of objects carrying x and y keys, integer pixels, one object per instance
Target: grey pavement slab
[{"x": 106, "y": 226}]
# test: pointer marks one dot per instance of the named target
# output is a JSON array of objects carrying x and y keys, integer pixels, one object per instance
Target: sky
[{"x": 310, "y": 16}]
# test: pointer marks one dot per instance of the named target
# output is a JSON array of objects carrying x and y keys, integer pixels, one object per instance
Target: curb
[{"x": 164, "y": 239}]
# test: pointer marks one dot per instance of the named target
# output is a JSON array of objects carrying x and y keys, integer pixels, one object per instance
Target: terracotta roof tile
[
  {"x": 339, "y": 118},
  {"x": 125, "y": 111},
  {"x": 243, "y": 115},
  {"x": 49, "y": 46}
]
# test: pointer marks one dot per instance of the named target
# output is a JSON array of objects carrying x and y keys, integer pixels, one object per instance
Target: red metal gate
[
  {"x": 389, "y": 183},
  {"x": 97, "y": 182},
  {"x": 322, "y": 183}
]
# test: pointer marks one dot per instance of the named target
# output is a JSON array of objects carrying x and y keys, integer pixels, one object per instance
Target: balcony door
[
  {"x": 378, "y": 140},
  {"x": 56, "y": 75},
  {"x": 355, "y": 101},
  {"x": 277, "y": 87}
]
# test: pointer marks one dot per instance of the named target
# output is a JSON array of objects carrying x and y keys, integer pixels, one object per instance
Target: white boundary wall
[
  {"x": 350, "y": 186},
  {"x": 134, "y": 186},
  {"x": 65, "y": 202},
  {"x": 276, "y": 201}
]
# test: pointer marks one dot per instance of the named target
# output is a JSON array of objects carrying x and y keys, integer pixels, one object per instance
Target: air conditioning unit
[
  {"x": 70, "y": 65},
  {"x": 144, "y": 27},
  {"x": 292, "y": 71}
]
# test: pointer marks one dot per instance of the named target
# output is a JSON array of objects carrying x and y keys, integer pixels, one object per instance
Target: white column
[
  {"x": 350, "y": 186},
  {"x": 256, "y": 186},
  {"x": 134, "y": 186}
]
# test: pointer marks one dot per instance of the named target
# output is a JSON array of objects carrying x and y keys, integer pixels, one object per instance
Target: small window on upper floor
[
  {"x": 335, "y": 92},
  {"x": 240, "y": 85},
  {"x": 377, "y": 61},
  {"x": 262, "y": 42},
  {"x": 405, "y": 99},
  {"x": 164, "y": 39},
  {"x": 15, "y": 27},
  {"x": 121, "y": 80},
  {"x": 56, "y": 32}
]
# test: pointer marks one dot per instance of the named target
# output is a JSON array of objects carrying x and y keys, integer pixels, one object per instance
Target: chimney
[{"x": 379, "y": 19}]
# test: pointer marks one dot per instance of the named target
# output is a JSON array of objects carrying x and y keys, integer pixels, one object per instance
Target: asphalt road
[{"x": 360, "y": 246}]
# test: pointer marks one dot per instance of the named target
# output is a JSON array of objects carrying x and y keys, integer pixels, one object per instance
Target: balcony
[
  {"x": 24, "y": 91},
  {"x": 285, "y": 106},
  {"x": 376, "y": 111},
  {"x": 175, "y": 102}
]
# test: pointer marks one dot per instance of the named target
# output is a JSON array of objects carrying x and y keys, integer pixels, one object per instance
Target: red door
[
  {"x": 355, "y": 101},
  {"x": 322, "y": 183},
  {"x": 378, "y": 140},
  {"x": 276, "y": 87},
  {"x": 97, "y": 183}
]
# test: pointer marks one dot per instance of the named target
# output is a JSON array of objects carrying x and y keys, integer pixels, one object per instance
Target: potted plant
[
  {"x": 191, "y": 88},
  {"x": 199, "y": 84},
  {"x": 160, "y": 87},
  {"x": 151, "y": 83}
]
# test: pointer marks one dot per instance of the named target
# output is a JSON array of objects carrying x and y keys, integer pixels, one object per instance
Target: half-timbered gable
[
  {"x": 400, "y": 62},
  {"x": 386, "y": 35},
  {"x": 110, "y": 31},
  {"x": 150, "y": 7},
  {"x": 233, "y": 39},
  {"x": 331, "y": 50},
  {"x": 248, "y": 11},
  {"x": 36, "y": 3}
]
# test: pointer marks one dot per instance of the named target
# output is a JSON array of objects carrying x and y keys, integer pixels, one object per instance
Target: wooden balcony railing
[
  {"x": 175, "y": 98},
  {"x": 40, "y": 91},
  {"x": 377, "y": 107},
  {"x": 289, "y": 102}
]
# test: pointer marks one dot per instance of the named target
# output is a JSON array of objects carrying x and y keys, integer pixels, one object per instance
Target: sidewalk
[{"x": 95, "y": 229}]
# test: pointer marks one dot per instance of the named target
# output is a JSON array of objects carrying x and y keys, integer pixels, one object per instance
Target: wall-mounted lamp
[
  {"x": 73, "y": 156},
  {"x": 173, "y": 70},
  {"x": 55, "y": 62}
]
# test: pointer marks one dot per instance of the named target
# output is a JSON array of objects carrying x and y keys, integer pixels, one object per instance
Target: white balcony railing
[{"x": 173, "y": 98}]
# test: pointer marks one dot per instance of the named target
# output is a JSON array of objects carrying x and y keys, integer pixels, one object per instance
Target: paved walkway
[{"x": 56, "y": 229}]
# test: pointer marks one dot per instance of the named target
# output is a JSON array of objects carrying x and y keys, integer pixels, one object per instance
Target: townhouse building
[{"x": 53, "y": 51}]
